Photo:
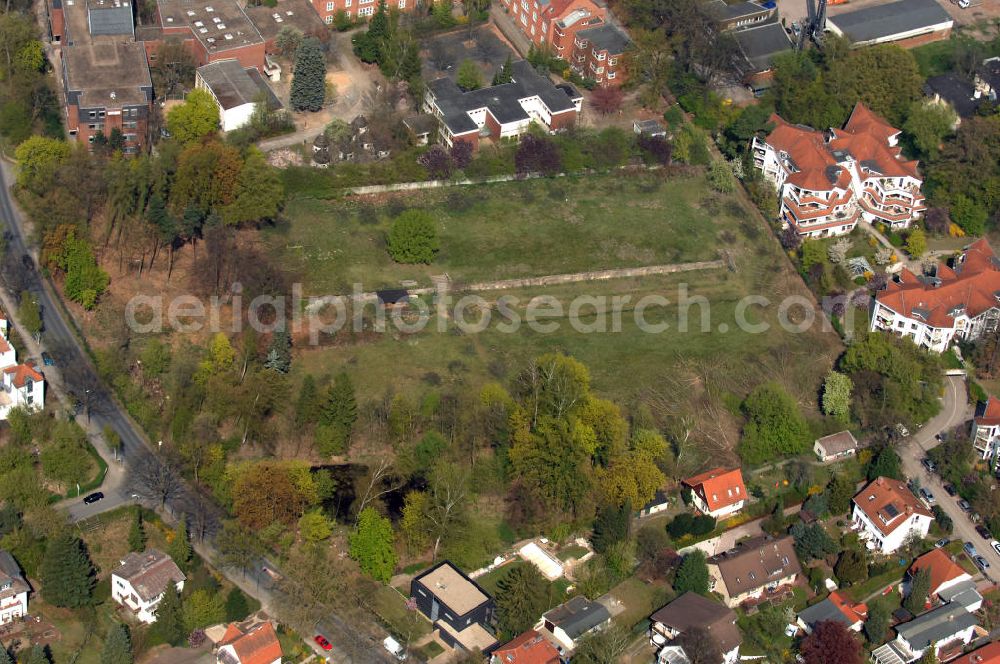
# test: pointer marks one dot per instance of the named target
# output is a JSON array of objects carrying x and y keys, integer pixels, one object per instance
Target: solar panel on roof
[{"x": 891, "y": 510}]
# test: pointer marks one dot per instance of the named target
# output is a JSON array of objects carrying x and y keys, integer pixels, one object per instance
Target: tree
[
  {"x": 413, "y": 523},
  {"x": 537, "y": 154},
  {"x": 413, "y": 238},
  {"x": 237, "y": 607},
  {"x": 269, "y": 491},
  {"x": 920, "y": 588},
  {"x": 180, "y": 546},
  {"x": 720, "y": 177},
  {"x": 309, "y": 77},
  {"x": 67, "y": 575},
  {"x": 437, "y": 161},
  {"x": 650, "y": 541},
  {"x": 117, "y": 647},
  {"x": 692, "y": 575},
  {"x": 930, "y": 655},
  {"x": 837, "y": 395},
  {"x": 521, "y": 596},
  {"x": 5, "y": 656},
  {"x": 505, "y": 74},
  {"x": 700, "y": 645},
  {"x": 839, "y": 492},
  {"x": 315, "y": 527},
  {"x": 447, "y": 497},
  {"x": 137, "y": 532},
  {"x": 812, "y": 541},
  {"x": 288, "y": 40},
  {"x": 927, "y": 124},
  {"x": 258, "y": 193},
  {"x": 169, "y": 623},
  {"x": 371, "y": 545},
  {"x": 337, "y": 417},
  {"x": 879, "y": 617},
  {"x": 468, "y": 77},
  {"x": 774, "y": 427},
  {"x": 202, "y": 608},
  {"x": 38, "y": 655},
  {"x": 607, "y": 99},
  {"x": 831, "y": 643},
  {"x": 886, "y": 463},
  {"x": 603, "y": 646},
  {"x": 611, "y": 526},
  {"x": 198, "y": 116},
  {"x": 851, "y": 567},
  {"x": 237, "y": 546},
  {"x": 38, "y": 159},
  {"x": 461, "y": 154},
  {"x": 916, "y": 243}
]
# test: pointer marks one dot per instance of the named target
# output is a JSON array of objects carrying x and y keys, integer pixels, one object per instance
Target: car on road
[
  {"x": 964, "y": 505},
  {"x": 941, "y": 543},
  {"x": 981, "y": 563},
  {"x": 984, "y": 532},
  {"x": 927, "y": 496},
  {"x": 93, "y": 498},
  {"x": 950, "y": 490},
  {"x": 47, "y": 359},
  {"x": 322, "y": 642},
  {"x": 970, "y": 549},
  {"x": 929, "y": 465}
]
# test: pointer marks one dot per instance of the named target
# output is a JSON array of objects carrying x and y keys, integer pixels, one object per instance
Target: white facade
[
  {"x": 934, "y": 339},
  {"x": 986, "y": 440},
  {"x": 14, "y": 607},
  {"x": 718, "y": 513},
  {"x": 22, "y": 386},
  {"x": 227, "y": 655},
  {"x": 145, "y": 610},
  {"x": 914, "y": 525},
  {"x": 230, "y": 119}
]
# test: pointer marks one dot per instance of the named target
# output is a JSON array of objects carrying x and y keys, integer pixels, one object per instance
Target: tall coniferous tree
[
  {"x": 309, "y": 77},
  {"x": 66, "y": 573}
]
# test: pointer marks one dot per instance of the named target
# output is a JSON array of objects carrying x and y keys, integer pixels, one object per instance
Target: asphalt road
[
  {"x": 136, "y": 450},
  {"x": 955, "y": 410}
]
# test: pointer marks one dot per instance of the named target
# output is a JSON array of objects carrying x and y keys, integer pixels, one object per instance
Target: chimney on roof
[
  {"x": 880, "y": 481},
  {"x": 909, "y": 509}
]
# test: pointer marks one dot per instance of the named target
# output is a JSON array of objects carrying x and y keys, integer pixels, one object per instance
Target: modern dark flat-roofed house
[
  {"x": 459, "y": 609},
  {"x": 906, "y": 22},
  {"x": 501, "y": 111}
]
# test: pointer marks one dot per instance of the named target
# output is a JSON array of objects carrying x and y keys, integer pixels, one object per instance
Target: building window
[
  {"x": 612, "y": 74},
  {"x": 93, "y": 114},
  {"x": 402, "y": 4},
  {"x": 524, "y": 19},
  {"x": 328, "y": 18},
  {"x": 347, "y": 3},
  {"x": 329, "y": 6},
  {"x": 612, "y": 62},
  {"x": 534, "y": 16},
  {"x": 366, "y": 11}
]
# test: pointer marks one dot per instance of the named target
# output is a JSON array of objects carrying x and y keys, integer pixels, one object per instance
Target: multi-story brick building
[
  {"x": 502, "y": 111},
  {"x": 357, "y": 9},
  {"x": 553, "y": 23},
  {"x": 599, "y": 54},
  {"x": 297, "y": 14},
  {"x": 829, "y": 180},
  {"x": 213, "y": 29}
]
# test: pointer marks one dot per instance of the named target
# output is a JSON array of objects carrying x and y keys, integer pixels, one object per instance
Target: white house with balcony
[
  {"x": 886, "y": 514},
  {"x": 955, "y": 303},
  {"x": 22, "y": 386},
  {"x": 827, "y": 181},
  {"x": 13, "y": 590},
  {"x": 986, "y": 430},
  {"x": 139, "y": 582}
]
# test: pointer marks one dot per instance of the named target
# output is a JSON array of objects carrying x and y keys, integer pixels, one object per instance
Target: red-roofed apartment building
[
  {"x": 256, "y": 645},
  {"x": 529, "y": 648},
  {"x": 886, "y": 513},
  {"x": 22, "y": 385},
  {"x": 718, "y": 492},
  {"x": 986, "y": 429},
  {"x": 829, "y": 180},
  {"x": 961, "y": 302}
]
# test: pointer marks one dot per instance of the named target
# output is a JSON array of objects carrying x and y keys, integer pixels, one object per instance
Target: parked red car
[{"x": 322, "y": 642}]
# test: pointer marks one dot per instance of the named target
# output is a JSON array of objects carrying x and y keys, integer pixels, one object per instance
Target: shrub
[{"x": 413, "y": 238}]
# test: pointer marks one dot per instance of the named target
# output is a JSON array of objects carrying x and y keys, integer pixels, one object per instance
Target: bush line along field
[{"x": 541, "y": 227}]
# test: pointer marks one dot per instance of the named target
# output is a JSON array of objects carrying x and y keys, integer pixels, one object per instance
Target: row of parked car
[{"x": 963, "y": 504}]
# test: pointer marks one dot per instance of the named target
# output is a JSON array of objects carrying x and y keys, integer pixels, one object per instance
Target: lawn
[
  {"x": 572, "y": 552},
  {"x": 640, "y": 600},
  {"x": 389, "y": 605},
  {"x": 937, "y": 58},
  {"x": 106, "y": 537}
]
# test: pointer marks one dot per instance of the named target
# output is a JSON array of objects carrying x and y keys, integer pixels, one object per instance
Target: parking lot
[{"x": 444, "y": 53}]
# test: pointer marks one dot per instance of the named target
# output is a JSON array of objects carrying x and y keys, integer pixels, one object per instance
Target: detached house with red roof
[
  {"x": 528, "y": 648},
  {"x": 956, "y": 303},
  {"x": 718, "y": 492},
  {"x": 986, "y": 429},
  {"x": 949, "y": 582},
  {"x": 22, "y": 386},
  {"x": 829, "y": 180},
  {"x": 254, "y": 645},
  {"x": 886, "y": 514},
  {"x": 836, "y": 607}
]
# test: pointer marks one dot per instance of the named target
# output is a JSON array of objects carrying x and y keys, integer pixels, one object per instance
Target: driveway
[{"x": 955, "y": 410}]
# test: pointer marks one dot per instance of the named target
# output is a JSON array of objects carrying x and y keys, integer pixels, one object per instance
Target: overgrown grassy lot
[{"x": 569, "y": 225}]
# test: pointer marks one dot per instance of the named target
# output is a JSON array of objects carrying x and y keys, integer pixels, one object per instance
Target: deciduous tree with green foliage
[
  {"x": 202, "y": 608},
  {"x": 468, "y": 77},
  {"x": 37, "y": 161},
  {"x": 413, "y": 237},
  {"x": 916, "y": 243},
  {"x": 837, "y": 396},
  {"x": 692, "y": 575},
  {"x": 927, "y": 124},
  {"x": 194, "y": 119},
  {"x": 371, "y": 545},
  {"x": 885, "y": 463},
  {"x": 315, "y": 527},
  {"x": 851, "y": 567},
  {"x": 180, "y": 546},
  {"x": 308, "y": 77},
  {"x": 258, "y": 194},
  {"x": 774, "y": 427},
  {"x": 611, "y": 526},
  {"x": 67, "y": 575}
]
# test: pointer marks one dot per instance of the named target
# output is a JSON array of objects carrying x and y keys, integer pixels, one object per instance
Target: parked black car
[{"x": 93, "y": 498}]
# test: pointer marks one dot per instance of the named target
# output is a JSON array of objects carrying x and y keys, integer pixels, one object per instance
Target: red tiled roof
[
  {"x": 864, "y": 121},
  {"x": 988, "y": 654},
  {"x": 990, "y": 414},
  {"x": 853, "y": 612},
  {"x": 941, "y": 567},
  {"x": 888, "y": 504},
  {"x": 528, "y": 648},
  {"x": 973, "y": 288},
  {"x": 258, "y": 645},
  {"x": 22, "y": 374},
  {"x": 719, "y": 487}
]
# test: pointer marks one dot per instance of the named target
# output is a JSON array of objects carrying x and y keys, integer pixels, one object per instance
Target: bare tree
[
  {"x": 380, "y": 480},
  {"x": 203, "y": 514},
  {"x": 155, "y": 479},
  {"x": 448, "y": 491}
]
